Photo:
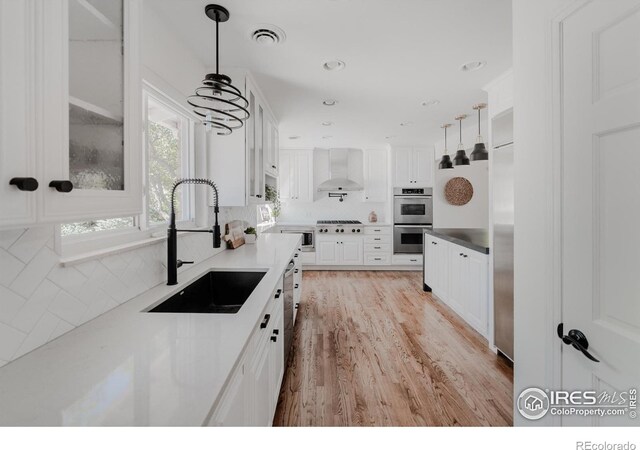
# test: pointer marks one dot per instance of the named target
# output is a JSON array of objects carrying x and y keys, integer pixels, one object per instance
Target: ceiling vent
[{"x": 265, "y": 34}]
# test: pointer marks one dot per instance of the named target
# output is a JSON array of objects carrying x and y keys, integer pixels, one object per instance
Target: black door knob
[
  {"x": 577, "y": 340},
  {"x": 61, "y": 185},
  {"x": 24, "y": 183}
]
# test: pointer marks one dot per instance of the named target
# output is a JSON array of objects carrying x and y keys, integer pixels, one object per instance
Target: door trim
[{"x": 554, "y": 304}]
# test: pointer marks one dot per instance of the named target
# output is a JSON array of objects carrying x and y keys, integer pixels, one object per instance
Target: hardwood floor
[{"x": 373, "y": 349}]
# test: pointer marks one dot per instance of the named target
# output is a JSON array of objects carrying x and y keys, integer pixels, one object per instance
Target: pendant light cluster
[
  {"x": 219, "y": 103},
  {"x": 479, "y": 152}
]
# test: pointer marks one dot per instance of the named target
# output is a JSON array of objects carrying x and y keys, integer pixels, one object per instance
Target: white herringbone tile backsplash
[{"x": 41, "y": 300}]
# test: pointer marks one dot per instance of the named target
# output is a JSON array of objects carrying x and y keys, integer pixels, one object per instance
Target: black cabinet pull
[
  {"x": 61, "y": 185},
  {"x": 278, "y": 292},
  {"x": 276, "y": 332},
  {"x": 274, "y": 338},
  {"x": 24, "y": 183},
  {"x": 296, "y": 271},
  {"x": 273, "y": 166},
  {"x": 297, "y": 306},
  {"x": 460, "y": 254},
  {"x": 296, "y": 286},
  {"x": 465, "y": 256},
  {"x": 295, "y": 256},
  {"x": 265, "y": 321},
  {"x": 258, "y": 196}
]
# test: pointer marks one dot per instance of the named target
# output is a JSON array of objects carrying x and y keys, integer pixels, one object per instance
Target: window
[{"x": 168, "y": 155}]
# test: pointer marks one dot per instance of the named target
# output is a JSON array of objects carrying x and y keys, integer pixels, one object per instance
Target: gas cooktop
[
  {"x": 339, "y": 222},
  {"x": 340, "y": 226}
]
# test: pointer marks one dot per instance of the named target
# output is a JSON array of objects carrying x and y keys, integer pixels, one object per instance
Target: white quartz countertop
[{"x": 129, "y": 367}]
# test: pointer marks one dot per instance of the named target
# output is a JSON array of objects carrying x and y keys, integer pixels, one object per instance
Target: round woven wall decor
[{"x": 458, "y": 191}]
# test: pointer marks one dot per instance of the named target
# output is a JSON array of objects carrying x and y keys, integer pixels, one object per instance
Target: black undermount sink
[{"x": 216, "y": 292}]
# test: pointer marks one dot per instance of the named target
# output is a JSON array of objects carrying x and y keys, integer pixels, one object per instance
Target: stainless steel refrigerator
[{"x": 503, "y": 212}]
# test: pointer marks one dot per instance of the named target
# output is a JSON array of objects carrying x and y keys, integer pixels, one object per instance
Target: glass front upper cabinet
[{"x": 96, "y": 94}]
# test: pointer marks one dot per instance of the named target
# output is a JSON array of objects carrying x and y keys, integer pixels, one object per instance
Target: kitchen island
[
  {"x": 133, "y": 368},
  {"x": 456, "y": 270}
]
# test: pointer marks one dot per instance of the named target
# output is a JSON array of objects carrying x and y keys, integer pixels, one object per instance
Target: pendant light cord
[
  {"x": 445, "y": 139},
  {"x": 478, "y": 121},
  {"x": 460, "y": 126},
  {"x": 217, "y": 43}
]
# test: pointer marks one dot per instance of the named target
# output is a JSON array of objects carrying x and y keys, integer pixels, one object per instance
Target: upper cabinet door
[
  {"x": 17, "y": 135},
  {"x": 376, "y": 175},
  {"x": 403, "y": 159},
  {"x": 422, "y": 167},
  {"x": 89, "y": 106}
]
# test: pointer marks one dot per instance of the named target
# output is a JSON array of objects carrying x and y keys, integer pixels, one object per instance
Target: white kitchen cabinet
[
  {"x": 376, "y": 186},
  {"x": 260, "y": 367},
  {"x": 296, "y": 175},
  {"x": 41, "y": 86},
  {"x": 234, "y": 408},
  {"x": 409, "y": 259},
  {"x": 237, "y": 163},
  {"x": 276, "y": 359},
  {"x": 458, "y": 284},
  {"x": 412, "y": 167},
  {"x": 459, "y": 277},
  {"x": 339, "y": 250},
  {"x": 271, "y": 150}
]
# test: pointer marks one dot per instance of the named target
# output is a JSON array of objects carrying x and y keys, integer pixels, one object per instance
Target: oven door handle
[
  {"x": 415, "y": 197},
  {"x": 412, "y": 226}
]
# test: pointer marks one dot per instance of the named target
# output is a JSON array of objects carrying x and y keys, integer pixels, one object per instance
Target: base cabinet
[
  {"x": 339, "y": 251},
  {"x": 251, "y": 394},
  {"x": 459, "y": 277}
]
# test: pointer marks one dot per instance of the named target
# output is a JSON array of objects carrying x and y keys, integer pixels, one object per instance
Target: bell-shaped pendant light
[
  {"x": 445, "y": 162},
  {"x": 479, "y": 152},
  {"x": 219, "y": 103},
  {"x": 461, "y": 158}
]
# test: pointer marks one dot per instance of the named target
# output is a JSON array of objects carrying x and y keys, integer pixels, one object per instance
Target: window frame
[{"x": 103, "y": 241}]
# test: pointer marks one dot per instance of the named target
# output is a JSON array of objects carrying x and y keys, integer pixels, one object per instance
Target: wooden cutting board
[{"x": 234, "y": 234}]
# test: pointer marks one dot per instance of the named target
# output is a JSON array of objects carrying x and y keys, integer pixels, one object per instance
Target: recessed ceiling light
[
  {"x": 327, "y": 137},
  {"x": 333, "y": 65},
  {"x": 427, "y": 103},
  {"x": 294, "y": 137},
  {"x": 330, "y": 102},
  {"x": 389, "y": 137},
  {"x": 473, "y": 65},
  {"x": 327, "y": 124},
  {"x": 406, "y": 124}
]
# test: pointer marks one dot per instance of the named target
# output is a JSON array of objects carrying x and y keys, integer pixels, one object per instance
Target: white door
[
  {"x": 402, "y": 166},
  {"x": 286, "y": 175},
  {"x": 375, "y": 183},
  {"x": 304, "y": 184},
  {"x": 601, "y": 199},
  {"x": 327, "y": 252},
  {"x": 351, "y": 251},
  {"x": 17, "y": 115},
  {"x": 457, "y": 280},
  {"x": 422, "y": 167}
]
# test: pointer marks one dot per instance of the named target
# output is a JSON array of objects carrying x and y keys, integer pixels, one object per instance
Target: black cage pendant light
[
  {"x": 445, "y": 162},
  {"x": 479, "y": 152},
  {"x": 461, "y": 158},
  {"x": 218, "y": 102}
]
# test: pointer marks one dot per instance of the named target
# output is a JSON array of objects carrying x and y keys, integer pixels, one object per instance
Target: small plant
[{"x": 250, "y": 230}]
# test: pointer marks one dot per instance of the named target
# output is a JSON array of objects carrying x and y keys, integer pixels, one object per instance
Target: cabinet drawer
[
  {"x": 380, "y": 248},
  {"x": 407, "y": 260},
  {"x": 377, "y": 230},
  {"x": 372, "y": 259},
  {"x": 377, "y": 239}
]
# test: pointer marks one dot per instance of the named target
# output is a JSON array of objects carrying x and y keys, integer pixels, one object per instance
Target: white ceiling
[{"x": 399, "y": 53}]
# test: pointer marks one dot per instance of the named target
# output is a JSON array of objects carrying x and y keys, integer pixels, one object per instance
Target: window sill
[{"x": 115, "y": 249}]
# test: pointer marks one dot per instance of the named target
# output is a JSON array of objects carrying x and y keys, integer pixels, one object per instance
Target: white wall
[
  {"x": 533, "y": 246},
  {"x": 474, "y": 214}
]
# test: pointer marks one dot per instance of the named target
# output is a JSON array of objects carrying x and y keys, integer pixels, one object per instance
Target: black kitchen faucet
[{"x": 172, "y": 233}]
